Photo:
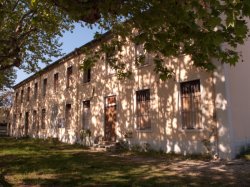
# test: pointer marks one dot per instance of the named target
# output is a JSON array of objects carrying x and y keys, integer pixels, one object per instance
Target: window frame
[
  {"x": 87, "y": 75},
  {"x": 43, "y": 118},
  {"x": 34, "y": 119},
  {"x": 21, "y": 97},
  {"x": 17, "y": 95},
  {"x": 108, "y": 68},
  {"x": 193, "y": 97},
  {"x": 86, "y": 104},
  {"x": 45, "y": 84},
  {"x": 69, "y": 77},
  {"x": 28, "y": 93},
  {"x": 68, "y": 115},
  {"x": 56, "y": 82},
  {"x": 35, "y": 90},
  {"x": 139, "y": 52},
  {"x": 147, "y": 100}
]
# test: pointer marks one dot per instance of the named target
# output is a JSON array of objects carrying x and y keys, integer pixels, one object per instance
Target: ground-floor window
[
  {"x": 191, "y": 104},
  {"x": 43, "y": 119},
  {"x": 143, "y": 109},
  {"x": 53, "y": 117},
  {"x": 20, "y": 119},
  {"x": 68, "y": 115},
  {"x": 14, "y": 121},
  {"x": 86, "y": 115},
  {"x": 34, "y": 124}
]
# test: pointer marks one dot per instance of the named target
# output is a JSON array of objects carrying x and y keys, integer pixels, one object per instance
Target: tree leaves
[
  {"x": 29, "y": 33},
  {"x": 203, "y": 30}
]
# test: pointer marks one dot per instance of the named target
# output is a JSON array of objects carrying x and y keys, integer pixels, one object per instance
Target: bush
[{"x": 244, "y": 150}]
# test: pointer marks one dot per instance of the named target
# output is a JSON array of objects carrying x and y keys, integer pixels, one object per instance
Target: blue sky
[{"x": 70, "y": 41}]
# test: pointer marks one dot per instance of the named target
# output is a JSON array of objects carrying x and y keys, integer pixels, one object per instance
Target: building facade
[{"x": 188, "y": 113}]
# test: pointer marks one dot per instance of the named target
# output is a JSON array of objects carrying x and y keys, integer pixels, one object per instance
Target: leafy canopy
[
  {"x": 7, "y": 79},
  {"x": 203, "y": 29},
  {"x": 29, "y": 32}
]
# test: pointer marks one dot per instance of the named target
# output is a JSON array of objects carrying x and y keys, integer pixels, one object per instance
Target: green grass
[{"x": 47, "y": 163}]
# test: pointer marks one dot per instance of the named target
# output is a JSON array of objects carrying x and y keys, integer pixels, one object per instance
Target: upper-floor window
[
  {"x": 87, "y": 75},
  {"x": 35, "y": 90},
  {"x": 109, "y": 61},
  {"x": 143, "y": 109},
  {"x": 28, "y": 93},
  {"x": 22, "y": 96},
  {"x": 56, "y": 82},
  {"x": 142, "y": 57},
  {"x": 17, "y": 96},
  {"x": 69, "y": 77},
  {"x": 44, "y": 87},
  {"x": 191, "y": 104}
]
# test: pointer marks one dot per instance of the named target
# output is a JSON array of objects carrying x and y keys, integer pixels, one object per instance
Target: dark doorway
[{"x": 26, "y": 125}]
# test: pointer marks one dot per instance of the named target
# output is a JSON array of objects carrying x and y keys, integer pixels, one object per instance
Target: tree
[
  {"x": 7, "y": 79},
  {"x": 29, "y": 33},
  {"x": 203, "y": 29},
  {"x": 6, "y": 98}
]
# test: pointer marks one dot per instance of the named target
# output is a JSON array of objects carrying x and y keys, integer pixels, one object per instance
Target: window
[
  {"x": 86, "y": 115},
  {"x": 69, "y": 76},
  {"x": 68, "y": 116},
  {"x": 56, "y": 82},
  {"x": 34, "y": 121},
  {"x": 87, "y": 75},
  {"x": 28, "y": 93},
  {"x": 110, "y": 59},
  {"x": 191, "y": 104},
  {"x": 20, "y": 119},
  {"x": 14, "y": 121},
  {"x": 21, "y": 96},
  {"x": 35, "y": 90},
  {"x": 44, "y": 87},
  {"x": 17, "y": 96},
  {"x": 43, "y": 119},
  {"x": 142, "y": 57},
  {"x": 143, "y": 109},
  {"x": 53, "y": 119}
]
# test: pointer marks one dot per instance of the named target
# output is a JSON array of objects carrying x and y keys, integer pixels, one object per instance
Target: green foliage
[
  {"x": 29, "y": 33},
  {"x": 6, "y": 98},
  {"x": 244, "y": 152},
  {"x": 7, "y": 79},
  {"x": 204, "y": 30}
]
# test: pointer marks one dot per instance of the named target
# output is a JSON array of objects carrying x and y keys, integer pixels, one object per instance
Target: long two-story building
[{"x": 193, "y": 112}]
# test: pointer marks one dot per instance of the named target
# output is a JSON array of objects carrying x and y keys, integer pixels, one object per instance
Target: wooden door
[{"x": 110, "y": 118}]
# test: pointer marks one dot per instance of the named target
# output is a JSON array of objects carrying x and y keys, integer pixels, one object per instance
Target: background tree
[
  {"x": 202, "y": 29},
  {"x": 6, "y": 98},
  {"x": 7, "y": 79}
]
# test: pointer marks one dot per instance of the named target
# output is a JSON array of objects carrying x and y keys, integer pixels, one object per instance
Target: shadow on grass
[{"x": 43, "y": 163}]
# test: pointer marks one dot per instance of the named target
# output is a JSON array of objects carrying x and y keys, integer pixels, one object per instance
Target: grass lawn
[{"x": 36, "y": 162}]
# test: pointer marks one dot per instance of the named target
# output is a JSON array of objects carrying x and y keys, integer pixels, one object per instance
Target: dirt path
[{"x": 233, "y": 173}]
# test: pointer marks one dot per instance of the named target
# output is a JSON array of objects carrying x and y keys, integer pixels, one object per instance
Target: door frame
[{"x": 104, "y": 113}]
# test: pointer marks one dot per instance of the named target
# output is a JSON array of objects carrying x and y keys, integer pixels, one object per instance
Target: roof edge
[{"x": 76, "y": 51}]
